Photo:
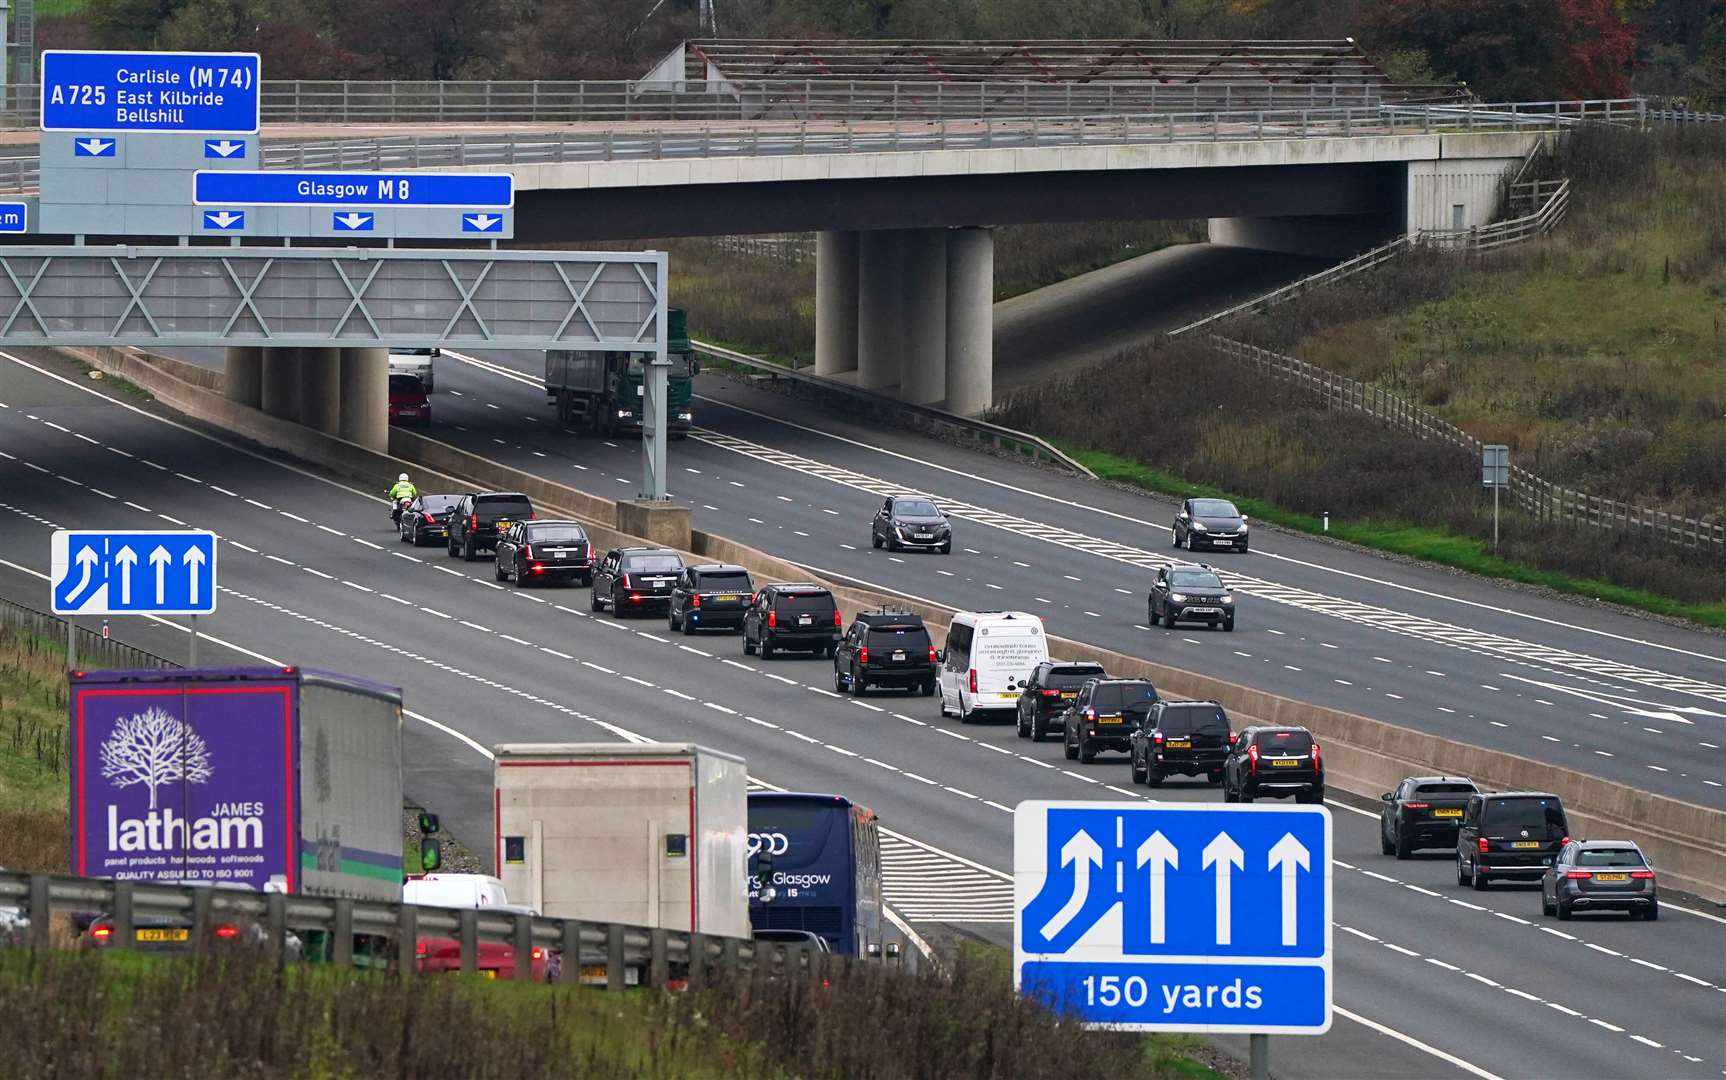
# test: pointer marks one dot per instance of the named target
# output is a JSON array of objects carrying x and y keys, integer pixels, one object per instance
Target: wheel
[
  {"x": 453, "y": 550},
  {"x": 587, "y": 581},
  {"x": 1461, "y": 876},
  {"x": 1068, "y": 748},
  {"x": 1192, "y": 542},
  {"x": 419, "y": 537},
  {"x": 1229, "y": 625},
  {"x": 947, "y": 548},
  {"x": 857, "y": 684},
  {"x": 766, "y": 648},
  {"x": 1229, "y": 794},
  {"x": 1653, "y": 912},
  {"x": 497, "y": 570},
  {"x": 1086, "y": 754},
  {"x": 1174, "y": 536},
  {"x": 1563, "y": 908},
  {"x": 671, "y": 626},
  {"x": 1152, "y": 617},
  {"x": 964, "y": 715},
  {"x": 838, "y": 682},
  {"x": 929, "y": 688},
  {"x": 1403, "y": 848},
  {"x": 829, "y": 651},
  {"x": 1479, "y": 881},
  {"x": 1385, "y": 845},
  {"x": 748, "y": 646},
  {"x": 468, "y": 552},
  {"x": 1153, "y": 777},
  {"x": 1140, "y": 775},
  {"x": 616, "y": 608},
  {"x": 401, "y": 534},
  {"x": 1024, "y": 728},
  {"x": 686, "y": 626},
  {"x": 892, "y": 544},
  {"x": 1545, "y": 904},
  {"x": 1242, "y": 549},
  {"x": 874, "y": 539},
  {"x": 594, "y": 603}
]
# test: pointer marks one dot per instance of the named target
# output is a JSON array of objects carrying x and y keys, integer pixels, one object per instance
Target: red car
[
  {"x": 433, "y": 956},
  {"x": 408, "y": 401}
]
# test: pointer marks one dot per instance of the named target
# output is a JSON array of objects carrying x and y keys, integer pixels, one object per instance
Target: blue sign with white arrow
[
  {"x": 192, "y": 93},
  {"x": 353, "y": 221},
  {"x": 225, "y": 220},
  {"x": 1191, "y": 917},
  {"x": 225, "y": 149},
  {"x": 279, "y": 188},
  {"x": 93, "y": 147},
  {"x": 133, "y": 573},
  {"x": 482, "y": 223}
]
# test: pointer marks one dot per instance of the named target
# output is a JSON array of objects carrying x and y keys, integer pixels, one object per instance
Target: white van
[
  {"x": 415, "y": 362},
  {"x": 456, "y": 891},
  {"x": 988, "y": 659}
]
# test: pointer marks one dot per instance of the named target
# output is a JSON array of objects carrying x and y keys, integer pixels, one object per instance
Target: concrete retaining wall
[{"x": 1686, "y": 841}]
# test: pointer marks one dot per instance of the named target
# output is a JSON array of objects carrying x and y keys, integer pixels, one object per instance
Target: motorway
[{"x": 1431, "y": 981}]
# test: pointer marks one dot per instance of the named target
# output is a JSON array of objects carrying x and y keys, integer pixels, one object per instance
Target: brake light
[
  {"x": 863, "y": 655},
  {"x": 420, "y": 949},
  {"x": 1045, "y": 693},
  {"x": 1157, "y": 737},
  {"x": 533, "y": 515},
  {"x": 635, "y": 598},
  {"x": 1232, "y": 738},
  {"x": 227, "y": 932},
  {"x": 695, "y": 600},
  {"x": 527, "y": 551},
  {"x": 1417, "y": 806},
  {"x": 539, "y": 568},
  {"x": 1584, "y": 874},
  {"x": 473, "y": 521},
  {"x": 1315, "y": 763},
  {"x": 932, "y": 654},
  {"x": 1564, "y": 841},
  {"x": 1253, "y": 759},
  {"x": 973, "y": 680},
  {"x": 1090, "y": 714},
  {"x": 836, "y": 621},
  {"x": 1483, "y": 848},
  {"x": 772, "y": 617},
  {"x": 431, "y": 519},
  {"x": 102, "y": 933},
  {"x": 538, "y": 953},
  {"x": 1644, "y": 874}
]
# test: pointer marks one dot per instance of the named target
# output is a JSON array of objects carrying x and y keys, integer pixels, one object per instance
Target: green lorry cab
[{"x": 601, "y": 391}]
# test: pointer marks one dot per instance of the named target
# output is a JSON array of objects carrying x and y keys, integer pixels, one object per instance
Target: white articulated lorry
[{"x": 648, "y": 834}]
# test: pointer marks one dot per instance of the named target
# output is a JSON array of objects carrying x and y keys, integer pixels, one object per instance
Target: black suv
[
  {"x": 635, "y": 580},
  {"x": 427, "y": 520},
  {"x": 537, "y": 552},
  {"x": 1104, "y": 715},
  {"x": 481, "y": 517},
  {"x": 1273, "y": 761},
  {"x": 885, "y": 648},
  {"x": 911, "y": 521},
  {"x": 1053, "y": 685},
  {"x": 712, "y": 596},
  {"x": 798, "y": 616},
  {"x": 1190, "y": 593},
  {"x": 1187, "y": 737},
  {"x": 1423, "y": 812},
  {"x": 1205, "y": 524},
  {"x": 1509, "y": 834}
]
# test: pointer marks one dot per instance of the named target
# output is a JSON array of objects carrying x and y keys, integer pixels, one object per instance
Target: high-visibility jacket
[{"x": 403, "y": 490}]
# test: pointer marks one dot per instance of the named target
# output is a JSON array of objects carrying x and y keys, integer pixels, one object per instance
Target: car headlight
[
  {"x": 1199, "y": 526},
  {"x": 683, "y": 416},
  {"x": 1244, "y": 527},
  {"x": 1179, "y": 598},
  {"x": 1228, "y": 598}
]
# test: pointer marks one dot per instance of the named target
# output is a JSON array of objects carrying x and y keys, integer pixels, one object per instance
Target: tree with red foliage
[{"x": 1514, "y": 50}]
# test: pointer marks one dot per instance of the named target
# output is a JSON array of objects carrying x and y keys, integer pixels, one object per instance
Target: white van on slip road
[{"x": 989, "y": 657}]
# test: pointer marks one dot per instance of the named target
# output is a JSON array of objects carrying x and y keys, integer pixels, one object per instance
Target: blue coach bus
[{"x": 826, "y": 868}]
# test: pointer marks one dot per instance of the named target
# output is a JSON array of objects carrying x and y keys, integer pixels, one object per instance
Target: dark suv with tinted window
[
  {"x": 1509, "y": 834},
  {"x": 1104, "y": 715},
  {"x": 713, "y": 596},
  {"x": 1423, "y": 811},
  {"x": 1274, "y": 762},
  {"x": 635, "y": 580},
  {"x": 885, "y": 648},
  {"x": 537, "y": 552},
  {"x": 1190, "y": 593},
  {"x": 481, "y": 517},
  {"x": 798, "y": 617},
  {"x": 1191, "y": 738},
  {"x": 1053, "y": 685}
]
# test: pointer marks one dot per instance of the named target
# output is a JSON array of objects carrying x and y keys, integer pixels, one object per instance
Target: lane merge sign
[
  {"x": 467, "y": 191},
  {"x": 1197, "y": 917},
  {"x": 133, "y": 573},
  {"x": 189, "y": 93}
]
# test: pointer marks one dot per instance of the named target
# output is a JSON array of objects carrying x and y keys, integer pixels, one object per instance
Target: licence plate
[
  {"x": 925, "y": 536},
  {"x": 162, "y": 935},
  {"x": 730, "y": 599},
  {"x": 1203, "y": 611},
  {"x": 1109, "y": 719},
  {"x": 1522, "y": 845},
  {"x": 560, "y": 554},
  {"x": 1180, "y": 744},
  {"x": 1284, "y": 763},
  {"x": 1447, "y": 813},
  {"x": 1611, "y": 877},
  {"x": 487, "y": 973},
  {"x": 898, "y": 656},
  {"x": 406, "y": 412},
  {"x": 805, "y": 620}
]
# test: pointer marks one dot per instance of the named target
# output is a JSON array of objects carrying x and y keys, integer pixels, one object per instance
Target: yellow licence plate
[
  {"x": 1611, "y": 877},
  {"x": 488, "y": 973},
  {"x": 726, "y": 598},
  {"x": 1180, "y": 744},
  {"x": 1447, "y": 813},
  {"x": 1284, "y": 763},
  {"x": 1523, "y": 844},
  {"x": 1069, "y": 695},
  {"x": 162, "y": 935},
  {"x": 1108, "y": 719}
]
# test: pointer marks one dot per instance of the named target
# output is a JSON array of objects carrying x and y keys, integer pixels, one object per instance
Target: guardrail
[
  {"x": 91, "y": 649},
  {"x": 1366, "y": 260},
  {"x": 920, "y": 417},
  {"x": 654, "y": 955}
]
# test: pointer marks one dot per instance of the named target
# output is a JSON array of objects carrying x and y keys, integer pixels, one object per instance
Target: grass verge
[{"x": 33, "y": 780}]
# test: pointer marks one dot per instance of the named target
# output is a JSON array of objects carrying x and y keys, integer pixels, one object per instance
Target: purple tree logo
[{"x": 154, "y": 748}]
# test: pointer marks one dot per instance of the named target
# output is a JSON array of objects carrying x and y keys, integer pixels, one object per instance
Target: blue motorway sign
[
  {"x": 94, "y": 147},
  {"x": 482, "y": 223},
  {"x": 225, "y": 220},
  {"x": 225, "y": 149},
  {"x": 353, "y": 221},
  {"x": 133, "y": 573},
  {"x": 194, "y": 93},
  {"x": 14, "y": 217},
  {"x": 279, "y": 188},
  {"x": 1195, "y": 917}
]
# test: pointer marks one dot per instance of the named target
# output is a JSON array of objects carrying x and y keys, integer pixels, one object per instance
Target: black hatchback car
[
  {"x": 1208, "y": 524},
  {"x": 635, "y": 580},
  {"x": 1509, "y": 834},
  {"x": 426, "y": 521},
  {"x": 911, "y": 522},
  {"x": 1275, "y": 762},
  {"x": 885, "y": 649},
  {"x": 1190, "y": 593},
  {"x": 1052, "y": 687},
  {"x": 1104, "y": 715},
  {"x": 798, "y": 617},
  {"x": 1423, "y": 812},
  {"x": 1600, "y": 875},
  {"x": 712, "y": 596},
  {"x": 1190, "y": 738},
  {"x": 541, "y": 552}
]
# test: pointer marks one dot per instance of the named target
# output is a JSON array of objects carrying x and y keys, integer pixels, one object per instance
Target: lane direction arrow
[
  {"x": 353, "y": 221},
  {"x": 1157, "y": 853},
  {"x": 1288, "y": 853},
  {"x": 93, "y": 148},
  {"x": 223, "y": 148},
  {"x": 193, "y": 559},
  {"x": 126, "y": 558},
  {"x": 1224, "y": 853},
  {"x": 224, "y": 219},
  {"x": 481, "y": 222},
  {"x": 160, "y": 560},
  {"x": 1083, "y": 853},
  {"x": 86, "y": 559}
]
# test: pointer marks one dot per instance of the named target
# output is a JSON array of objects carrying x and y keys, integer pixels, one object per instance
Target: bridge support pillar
[
  {"x": 279, "y": 390},
  {"x": 836, "y": 301},
  {"x": 365, "y": 401},
  {"x": 321, "y": 389},
  {"x": 923, "y": 353},
  {"x": 880, "y": 307},
  {"x": 243, "y": 374},
  {"x": 970, "y": 320}
]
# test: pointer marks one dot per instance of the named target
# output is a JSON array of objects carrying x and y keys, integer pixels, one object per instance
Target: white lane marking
[
  {"x": 511, "y": 637},
  {"x": 319, "y": 573},
  {"x": 1614, "y": 1028},
  {"x": 1409, "y": 1040},
  {"x": 1646, "y": 1041},
  {"x": 293, "y": 517},
  {"x": 678, "y": 694},
  {"x": 332, "y": 532},
  {"x": 367, "y": 543},
  {"x": 1442, "y": 964},
  {"x": 243, "y": 547},
  {"x": 1362, "y": 934},
  {"x": 638, "y": 681},
  {"x": 653, "y": 637},
  {"x": 145, "y": 509},
  {"x": 475, "y": 626},
  {"x": 171, "y": 519},
  {"x": 1398, "y": 948},
  {"x": 719, "y": 708},
  {"x": 365, "y": 588},
  {"x": 601, "y": 668}
]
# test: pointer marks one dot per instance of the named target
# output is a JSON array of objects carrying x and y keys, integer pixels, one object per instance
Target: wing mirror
[
  {"x": 893, "y": 948},
  {"x": 1385, "y": 797}
]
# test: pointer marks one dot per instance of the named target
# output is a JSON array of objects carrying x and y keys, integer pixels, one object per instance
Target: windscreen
[
  {"x": 805, "y": 601},
  {"x": 1195, "y": 720},
  {"x": 1609, "y": 857},
  {"x": 724, "y": 581},
  {"x": 652, "y": 564},
  {"x": 1288, "y": 742},
  {"x": 1444, "y": 789},
  {"x": 1215, "y": 508},
  {"x": 899, "y": 637},
  {"x": 1121, "y": 696},
  {"x": 1195, "y": 579},
  {"x": 437, "y": 504},
  {"x": 1061, "y": 680},
  {"x": 405, "y": 384},
  {"x": 915, "y": 508},
  {"x": 553, "y": 534},
  {"x": 514, "y": 507},
  {"x": 1539, "y": 817},
  {"x": 413, "y": 352}
]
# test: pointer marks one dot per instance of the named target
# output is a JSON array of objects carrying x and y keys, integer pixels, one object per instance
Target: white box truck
[{"x": 648, "y": 834}]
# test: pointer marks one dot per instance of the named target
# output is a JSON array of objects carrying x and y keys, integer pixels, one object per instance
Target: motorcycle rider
[{"x": 403, "y": 488}]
